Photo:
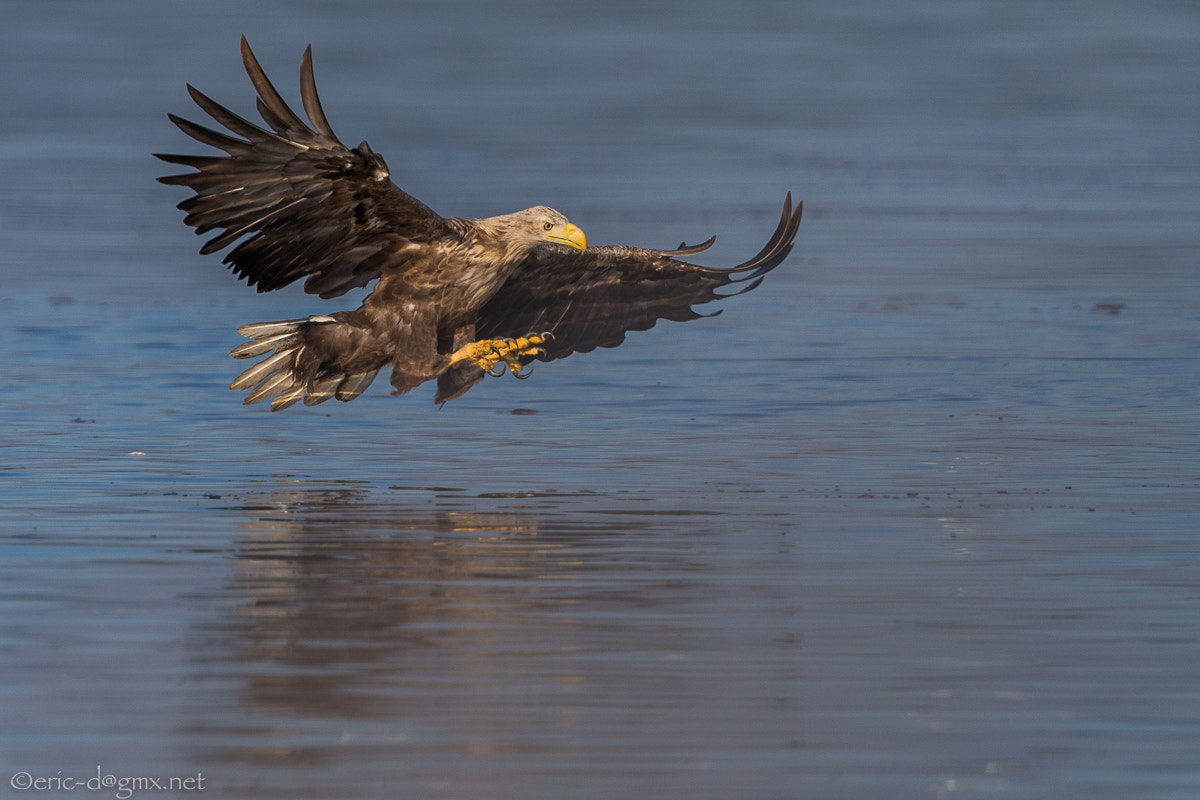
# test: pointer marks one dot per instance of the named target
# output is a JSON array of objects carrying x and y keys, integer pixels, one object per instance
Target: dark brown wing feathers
[
  {"x": 593, "y": 298},
  {"x": 301, "y": 203},
  {"x": 294, "y": 202},
  {"x": 308, "y": 95}
]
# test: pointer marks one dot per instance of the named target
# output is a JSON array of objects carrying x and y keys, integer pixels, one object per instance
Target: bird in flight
[{"x": 455, "y": 299}]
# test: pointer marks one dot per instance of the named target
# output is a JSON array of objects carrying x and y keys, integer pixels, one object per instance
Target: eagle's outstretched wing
[
  {"x": 592, "y": 298},
  {"x": 309, "y": 205}
]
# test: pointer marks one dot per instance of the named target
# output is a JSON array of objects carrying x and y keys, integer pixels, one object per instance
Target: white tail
[{"x": 277, "y": 376}]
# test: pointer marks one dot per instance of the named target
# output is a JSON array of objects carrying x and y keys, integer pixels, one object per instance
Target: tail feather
[
  {"x": 256, "y": 347},
  {"x": 354, "y": 385},
  {"x": 278, "y": 382},
  {"x": 323, "y": 389},
  {"x": 282, "y": 376},
  {"x": 262, "y": 330},
  {"x": 288, "y": 397},
  {"x": 280, "y": 359}
]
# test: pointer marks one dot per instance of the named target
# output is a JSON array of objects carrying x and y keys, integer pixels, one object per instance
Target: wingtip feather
[
  {"x": 310, "y": 98},
  {"x": 277, "y": 113},
  {"x": 685, "y": 249},
  {"x": 779, "y": 245}
]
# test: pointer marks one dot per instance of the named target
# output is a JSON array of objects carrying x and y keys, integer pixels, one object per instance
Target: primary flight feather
[{"x": 455, "y": 298}]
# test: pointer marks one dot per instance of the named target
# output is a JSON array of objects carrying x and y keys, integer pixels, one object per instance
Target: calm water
[{"x": 918, "y": 518}]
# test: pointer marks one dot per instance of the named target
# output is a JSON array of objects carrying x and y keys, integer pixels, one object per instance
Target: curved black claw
[{"x": 542, "y": 339}]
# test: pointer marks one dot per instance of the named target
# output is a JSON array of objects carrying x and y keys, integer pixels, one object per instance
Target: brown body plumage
[{"x": 455, "y": 298}]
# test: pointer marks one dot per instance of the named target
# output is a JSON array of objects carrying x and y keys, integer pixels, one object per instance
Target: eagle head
[
  {"x": 512, "y": 237},
  {"x": 539, "y": 225}
]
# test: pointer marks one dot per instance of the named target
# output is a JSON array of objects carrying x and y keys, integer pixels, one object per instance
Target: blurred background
[{"x": 915, "y": 518}]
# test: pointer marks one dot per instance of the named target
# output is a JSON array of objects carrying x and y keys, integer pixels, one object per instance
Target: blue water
[{"x": 915, "y": 519}]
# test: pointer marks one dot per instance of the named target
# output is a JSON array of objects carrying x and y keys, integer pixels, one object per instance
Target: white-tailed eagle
[{"x": 456, "y": 298}]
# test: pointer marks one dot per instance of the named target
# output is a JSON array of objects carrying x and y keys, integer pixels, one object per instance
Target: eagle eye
[{"x": 547, "y": 226}]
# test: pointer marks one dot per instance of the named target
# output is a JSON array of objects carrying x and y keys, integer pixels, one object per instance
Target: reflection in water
[
  {"x": 450, "y": 623},
  {"x": 443, "y": 643},
  {"x": 344, "y": 594}
]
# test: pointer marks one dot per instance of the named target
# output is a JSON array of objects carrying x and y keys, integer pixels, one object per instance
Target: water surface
[{"x": 917, "y": 518}]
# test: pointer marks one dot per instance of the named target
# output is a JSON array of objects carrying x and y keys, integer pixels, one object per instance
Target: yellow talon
[{"x": 488, "y": 353}]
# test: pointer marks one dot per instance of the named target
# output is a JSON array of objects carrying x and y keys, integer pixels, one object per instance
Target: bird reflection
[{"x": 352, "y": 606}]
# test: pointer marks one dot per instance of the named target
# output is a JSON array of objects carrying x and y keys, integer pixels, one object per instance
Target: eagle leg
[{"x": 488, "y": 354}]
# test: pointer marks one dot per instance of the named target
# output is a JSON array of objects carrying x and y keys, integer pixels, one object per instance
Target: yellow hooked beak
[{"x": 569, "y": 235}]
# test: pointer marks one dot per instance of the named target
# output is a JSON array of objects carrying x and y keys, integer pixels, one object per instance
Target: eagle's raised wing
[
  {"x": 592, "y": 298},
  {"x": 309, "y": 205}
]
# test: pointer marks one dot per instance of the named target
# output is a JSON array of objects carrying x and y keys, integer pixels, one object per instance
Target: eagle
[{"x": 454, "y": 300}]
